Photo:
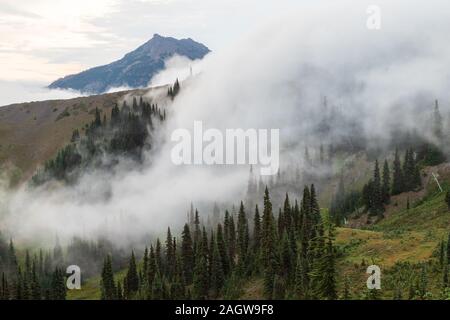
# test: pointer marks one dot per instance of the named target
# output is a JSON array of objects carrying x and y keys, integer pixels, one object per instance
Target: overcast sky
[{"x": 42, "y": 40}]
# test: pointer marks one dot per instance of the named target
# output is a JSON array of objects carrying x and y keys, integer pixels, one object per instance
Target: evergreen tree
[
  {"x": 269, "y": 278},
  {"x": 281, "y": 222},
  {"x": 256, "y": 231},
  {"x": 217, "y": 273},
  {"x": 132, "y": 278},
  {"x": 187, "y": 254},
  {"x": 279, "y": 287},
  {"x": 197, "y": 232},
  {"x": 397, "y": 181},
  {"x": 158, "y": 287},
  {"x": 158, "y": 255},
  {"x": 119, "y": 293},
  {"x": 437, "y": 124},
  {"x": 287, "y": 214},
  {"x": 34, "y": 283},
  {"x": 286, "y": 256},
  {"x": 221, "y": 246},
  {"x": 386, "y": 184},
  {"x": 4, "y": 288},
  {"x": 145, "y": 266},
  {"x": 58, "y": 285},
  {"x": 12, "y": 259},
  {"x": 377, "y": 207},
  {"x": 300, "y": 277},
  {"x": 243, "y": 235},
  {"x": 108, "y": 288},
  {"x": 231, "y": 243},
  {"x": 314, "y": 207},
  {"x": 200, "y": 281},
  {"x": 170, "y": 254},
  {"x": 327, "y": 285},
  {"x": 268, "y": 232},
  {"x": 152, "y": 269}
]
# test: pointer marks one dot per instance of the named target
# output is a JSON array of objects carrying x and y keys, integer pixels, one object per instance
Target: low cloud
[
  {"x": 177, "y": 67},
  {"x": 18, "y": 92},
  {"x": 273, "y": 77}
]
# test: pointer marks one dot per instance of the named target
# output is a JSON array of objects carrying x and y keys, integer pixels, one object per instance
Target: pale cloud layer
[{"x": 43, "y": 40}]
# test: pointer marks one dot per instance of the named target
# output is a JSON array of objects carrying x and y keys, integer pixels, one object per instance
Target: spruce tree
[
  {"x": 158, "y": 287},
  {"x": 386, "y": 184},
  {"x": 327, "y": 284},
  {"x": 187, "y": 254},
  {"x": 397, "y": 181},
  {"x": 217, "y": 273},
  {"x": 299, "y": 279},
  {"x": 158, "y": 255},
  {"x": 377, "y": 193},
  {"x": 200, "y": 281},
  {"x": 286, "y": 256},
  {"x": 132, "y": 277},
  {"x": 269, "y": 277},
  {"x": 287, "y": 214},
  {"x": 152, "y": 267},
  {"x": 145, "y": 266},
  {"x": 119, "y": 293},
  {"x": 437, "y": 124},
  {"x": 58, "y": 285},
  {"x": 107, "y": 283},
  {"x": 4, "y": 288},
  {"x": 256, "y": 231},
  {"x": 243, "y": 235},
  {"x": 170, "y": 254},
  {"x": 314, "y": 207},
  {"x": 280, "y": 221},
  {"x": 221, "y": 245},
  {"x": 197, "y": 231},
  {"x": 268, "y": 231},
  {"x": 232, "y": 240}
]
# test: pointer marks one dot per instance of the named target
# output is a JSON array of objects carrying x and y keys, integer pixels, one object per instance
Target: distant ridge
[{"x": 135, "y": 69}]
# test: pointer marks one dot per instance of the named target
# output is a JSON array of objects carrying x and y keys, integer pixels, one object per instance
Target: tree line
[
  {"x": 127, "y": 132},
  {"x": 293, "y": 253}
]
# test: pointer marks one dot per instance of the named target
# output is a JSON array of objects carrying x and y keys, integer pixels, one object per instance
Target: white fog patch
[
  {"x": 274, "y": 77},
  {"x": 118, "y": 89},
  {"x": 18, "y": 92},
  {"x": 177, "y": 67}
]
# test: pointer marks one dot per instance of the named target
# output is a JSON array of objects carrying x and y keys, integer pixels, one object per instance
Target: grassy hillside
[
  {"x": 31, "y": 133},
  {"x": 398, "y": 245},
  {"x": 406, "y": 237}
]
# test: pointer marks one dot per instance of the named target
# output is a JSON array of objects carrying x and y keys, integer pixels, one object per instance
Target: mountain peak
[{"x": 136, "y": 68}]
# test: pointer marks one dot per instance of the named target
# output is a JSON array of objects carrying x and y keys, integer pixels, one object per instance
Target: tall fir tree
[
  {"x": 132, "y": 278},
  {"x": 187, "y": 254},
  {"x": 397, "y": 179},
  {"x": 242, "y": 235},
  {"x": 386, "y": 184},
  {"x": 256, "y": 231}
]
